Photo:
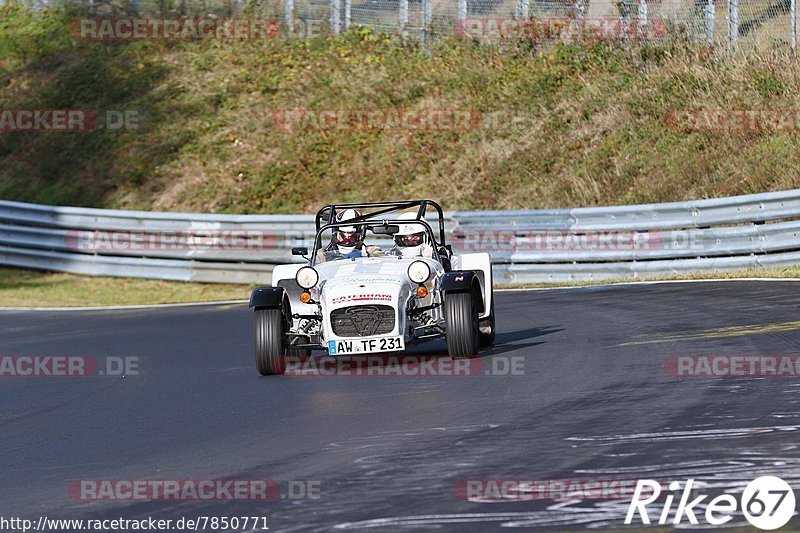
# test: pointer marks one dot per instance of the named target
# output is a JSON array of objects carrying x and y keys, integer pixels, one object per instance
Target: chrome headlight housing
[
  {"x": 306, "y": 277},
  {"x": 419, "y": 272}
]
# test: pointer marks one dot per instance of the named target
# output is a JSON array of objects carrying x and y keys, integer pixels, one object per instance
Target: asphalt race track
[{"x": 594, "y": 402}]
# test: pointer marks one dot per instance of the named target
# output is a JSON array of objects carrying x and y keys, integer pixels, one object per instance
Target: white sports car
[{"x": 360, "y": 299}]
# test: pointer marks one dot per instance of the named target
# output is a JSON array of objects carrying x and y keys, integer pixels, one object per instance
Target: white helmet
[
  {"x": 348, "y": 238},
  {"x": 411, "y": 238}
]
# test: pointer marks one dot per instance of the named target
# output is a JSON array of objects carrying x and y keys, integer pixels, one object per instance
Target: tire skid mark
[{"x": 661, "y": 436}]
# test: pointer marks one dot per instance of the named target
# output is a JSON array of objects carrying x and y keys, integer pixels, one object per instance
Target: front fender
[
  {"x": 462, "y": 281},
  {"x": 268, "y": 298}
]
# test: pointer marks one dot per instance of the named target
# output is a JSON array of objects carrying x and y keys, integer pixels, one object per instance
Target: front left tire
[{"x": 269, "y": 341}]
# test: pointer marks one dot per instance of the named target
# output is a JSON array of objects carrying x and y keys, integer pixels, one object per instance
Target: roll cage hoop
[{"x": 326, "y": 217}]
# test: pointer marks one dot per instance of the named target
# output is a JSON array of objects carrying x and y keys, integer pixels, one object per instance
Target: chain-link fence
[{"x": 720, "y": 22}]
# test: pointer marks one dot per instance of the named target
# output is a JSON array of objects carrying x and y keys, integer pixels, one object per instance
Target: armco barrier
[{"x": 526, "y": 246}]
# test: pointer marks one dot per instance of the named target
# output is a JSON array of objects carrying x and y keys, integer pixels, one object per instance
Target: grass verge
[
  {"x": 776, "y": 273},
  {"x": 28, "y": 288}
]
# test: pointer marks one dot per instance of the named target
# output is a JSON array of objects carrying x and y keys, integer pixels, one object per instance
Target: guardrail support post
[
  {"x": 733, "y": 22},
  {"x": 288, "y": 16},
  {"x": 709, "y": 21},
  {"x": 336, "y": 7},
  {"x": 461, "y": 15},
  {"x": 793, "y": 9},
  {"x": 404, "y": 18},
  {"x": 427, "y": 20},
  {"x": 522, "y": 9}
]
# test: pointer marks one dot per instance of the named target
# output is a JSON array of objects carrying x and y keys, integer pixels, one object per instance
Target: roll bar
[{"x": 328, "y": 213}]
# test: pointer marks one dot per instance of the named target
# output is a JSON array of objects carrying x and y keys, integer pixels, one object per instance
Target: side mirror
[
  {"x": 300, "y": 250},
  {"x": 388, "y": 229}
]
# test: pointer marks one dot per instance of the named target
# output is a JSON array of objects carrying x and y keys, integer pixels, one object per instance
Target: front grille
[{"x": 362, "y": 320}]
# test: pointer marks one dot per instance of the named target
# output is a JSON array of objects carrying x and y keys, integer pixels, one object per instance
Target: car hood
[{"x": 364, "y": 281}]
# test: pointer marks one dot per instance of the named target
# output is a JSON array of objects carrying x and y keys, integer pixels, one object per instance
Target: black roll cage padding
[
  {"x": 383, "y": 208},
  {"x": 361, "y": 221}
]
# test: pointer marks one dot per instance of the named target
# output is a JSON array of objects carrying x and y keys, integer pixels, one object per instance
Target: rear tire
[
  {"x": 269, "y": 342},
  {"x": 461, "y": 320}
]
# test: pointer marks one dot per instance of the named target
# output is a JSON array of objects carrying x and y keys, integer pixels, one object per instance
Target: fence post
[
  {"x": 521, "y": 9},
  {"x": 709, "y": 19},
  {"x": 641, "y": 19},
  {"x": 793, "y": 8},
  {"x": 624, "y": 8},
  {"x": 288, "y": 16},
  {"x": 347, "y": 8},
  {"x": 404, "y": 18},
  {"x": 336, "y": 7},
  {"x": 427, "y": 20},
  {"x": 733, "y": 22},
  {"x": 461, "y": 15}
]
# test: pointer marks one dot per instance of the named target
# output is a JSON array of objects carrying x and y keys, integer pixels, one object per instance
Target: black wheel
[
  {"x": 487, "y": 339},
  {"x": 461, "y": 318},
  {"x": 270, "y": 329}
]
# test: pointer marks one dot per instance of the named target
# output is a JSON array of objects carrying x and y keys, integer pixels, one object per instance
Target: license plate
[{"x": 375, "y": 345}]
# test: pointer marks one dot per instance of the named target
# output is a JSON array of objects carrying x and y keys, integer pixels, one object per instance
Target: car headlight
[
  {"x": 419, "y": 272},
  {"x": 307, "y": 277}
]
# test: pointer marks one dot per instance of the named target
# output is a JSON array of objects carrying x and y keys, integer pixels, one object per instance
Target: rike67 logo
[{"x": 767, "y": 503}]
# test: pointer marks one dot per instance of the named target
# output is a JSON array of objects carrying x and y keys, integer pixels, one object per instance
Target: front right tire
[
  {"x": 461, "y": 321},
  {"x": 269, "y": 341}
]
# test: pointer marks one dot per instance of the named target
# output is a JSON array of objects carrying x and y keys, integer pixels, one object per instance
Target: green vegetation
[
  {"x": 571, "y": 124},
  {"x": 29, "y": 288}
]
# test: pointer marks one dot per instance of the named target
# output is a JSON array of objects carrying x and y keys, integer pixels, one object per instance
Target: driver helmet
[
  {"x": 411, "y": 238},
  {"x": 348, "y": 238}
]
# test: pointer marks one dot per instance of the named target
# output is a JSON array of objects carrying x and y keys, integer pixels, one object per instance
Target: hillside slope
[{"x": 570, "y": 125}]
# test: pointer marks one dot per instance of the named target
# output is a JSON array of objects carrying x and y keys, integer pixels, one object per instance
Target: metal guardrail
[{"x": 526, "y": 246}]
